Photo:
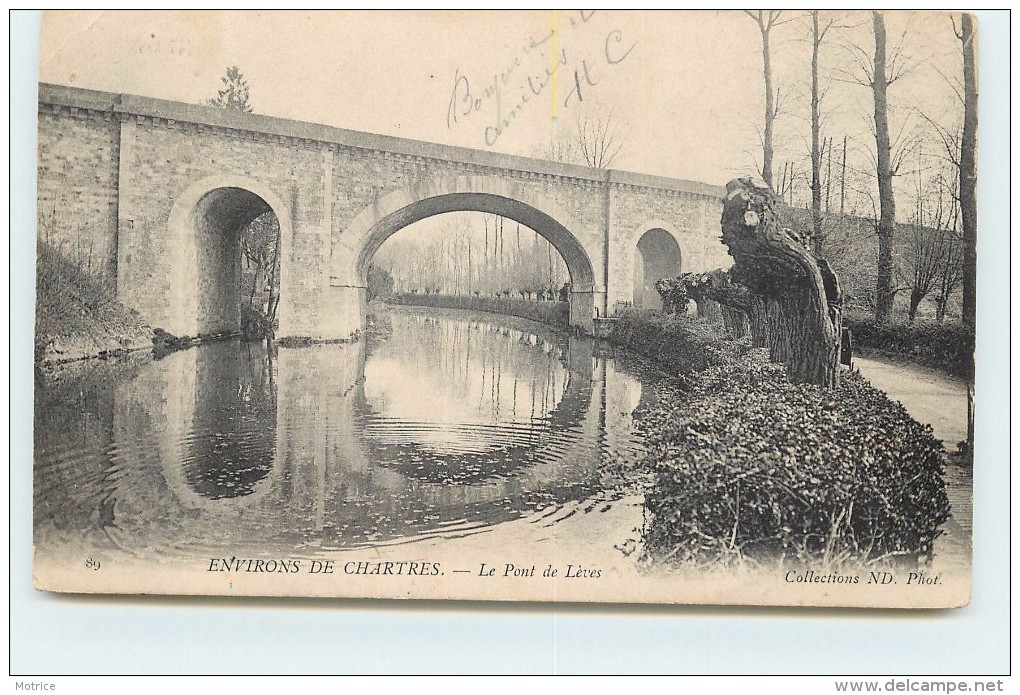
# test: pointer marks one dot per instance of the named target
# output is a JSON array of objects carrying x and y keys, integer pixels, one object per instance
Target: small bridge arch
[
  {"x": 657, "y": 253},
  {"x": 204, "y": 227}
]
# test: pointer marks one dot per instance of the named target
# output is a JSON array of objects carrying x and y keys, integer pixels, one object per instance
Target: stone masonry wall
[
  {"x": 165, "y": 160},
  {"x": 691, "y": 217},
  {"x": 361, "y": 177},
  {"x": 77, "y": 186}
]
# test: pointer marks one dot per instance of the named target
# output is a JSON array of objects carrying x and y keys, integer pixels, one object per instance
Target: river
[
  {"x": 438, "y": 424},
  {"x": 444, "y": 442}
]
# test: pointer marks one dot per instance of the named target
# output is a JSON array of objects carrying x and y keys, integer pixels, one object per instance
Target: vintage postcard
[{"x": 554, "y": 306}]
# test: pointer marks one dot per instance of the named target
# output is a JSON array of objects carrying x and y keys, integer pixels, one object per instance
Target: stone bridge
[{"x": 154, "y": 194}]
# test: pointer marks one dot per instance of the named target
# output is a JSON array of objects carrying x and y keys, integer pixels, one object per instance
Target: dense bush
[
  {"x": 552, "y": 313},
  {"x": 674, "y": 294},
  {"x": 946, "y": 346},
  {"x": 750, "y": 467},
  {"x": 681, "y": 344},
  {"x": 380, "y": 282}
]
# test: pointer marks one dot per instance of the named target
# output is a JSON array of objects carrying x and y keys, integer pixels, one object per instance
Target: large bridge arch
[
  {"x": 203, "y": 230},
  {"x": 353, "y": 249}
]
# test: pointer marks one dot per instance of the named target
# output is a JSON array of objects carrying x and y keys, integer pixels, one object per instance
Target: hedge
[
  {"x": 945, "y": 346},
  {"x": 552, "y": 313},
  {"x": 752, "y": 468},
  {"x": 681, "y": 344}
]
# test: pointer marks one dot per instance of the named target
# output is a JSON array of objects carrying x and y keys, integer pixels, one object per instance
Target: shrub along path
[{"x": 929, "y": 396}]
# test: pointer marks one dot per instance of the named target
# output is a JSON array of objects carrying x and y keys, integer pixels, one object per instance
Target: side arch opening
[
  {"x": 657, "y": 256},
  {"x": 205, "y": 274}
]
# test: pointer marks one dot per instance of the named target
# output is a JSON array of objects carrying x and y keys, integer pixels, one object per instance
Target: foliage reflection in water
[{"x": 438, "y": 423}]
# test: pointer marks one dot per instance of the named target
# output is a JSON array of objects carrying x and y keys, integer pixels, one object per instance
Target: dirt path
[
  {"x": 929, "y": 396},
  {"x": 941, "y": 401}
]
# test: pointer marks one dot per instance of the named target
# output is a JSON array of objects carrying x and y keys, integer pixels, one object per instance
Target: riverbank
[
  {"x": 77, "y": 317},
  {"x": 108, "y": 332}
]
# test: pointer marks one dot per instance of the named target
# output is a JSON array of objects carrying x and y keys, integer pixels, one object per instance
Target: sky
[{"x": 683, "y": 89}]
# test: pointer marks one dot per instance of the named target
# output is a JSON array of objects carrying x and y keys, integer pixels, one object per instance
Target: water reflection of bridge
[{"x": 253, "y": 445}]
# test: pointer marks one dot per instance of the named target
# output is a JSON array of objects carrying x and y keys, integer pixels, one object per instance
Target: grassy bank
[
  {"x": 552, "y": 313},
  {"x": 77, "y": 317}
]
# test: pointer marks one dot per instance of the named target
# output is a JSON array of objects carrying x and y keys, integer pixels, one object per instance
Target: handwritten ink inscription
[{"x": 498, "y": 100}]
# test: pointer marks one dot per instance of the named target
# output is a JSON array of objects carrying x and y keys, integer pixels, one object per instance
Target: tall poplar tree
[{"x": 968, "y": 169}]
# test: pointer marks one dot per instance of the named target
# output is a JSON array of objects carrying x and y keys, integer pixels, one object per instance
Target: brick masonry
[{"x": 160, "y": 189}]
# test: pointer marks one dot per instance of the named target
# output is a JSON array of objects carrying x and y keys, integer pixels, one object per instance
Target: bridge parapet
[{"x": 171, "y": 113}]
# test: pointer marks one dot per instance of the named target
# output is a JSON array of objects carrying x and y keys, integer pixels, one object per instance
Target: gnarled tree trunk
[
  {"x": 735, "y": 321},
  {"x": 716, "y": 287},
  {"x": 794, "y": 302},
  {"x": 968, "y": 170},
  {"x": 708, "y": 309}
]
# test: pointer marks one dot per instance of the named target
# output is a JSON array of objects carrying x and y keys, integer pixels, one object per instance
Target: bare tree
[
  {"x": 950, "y": 276},
  {"x": 931, "y": 257},
  {"x": 886, "y": 196},
  {"x": 599, "y": 138},
  {"x": 960, "y": 143},
  {"x": 878, "y": 72},
  {"x": 818, "y": 32},
  {"x": 767, "y": 21},
  {"x": 968, "y": 170},
  {"x": 260, "y": 246},
  {"x": 562, "y": 147}
]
